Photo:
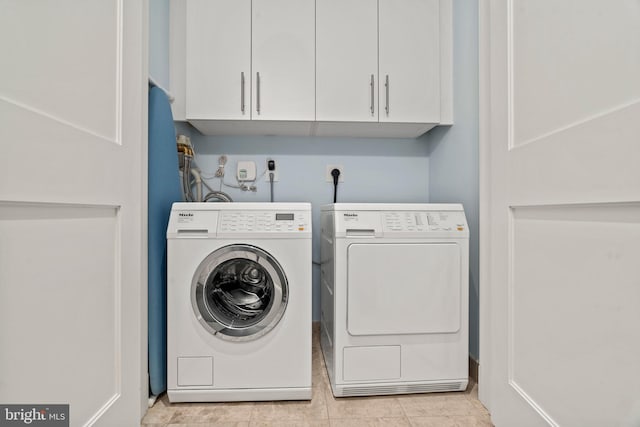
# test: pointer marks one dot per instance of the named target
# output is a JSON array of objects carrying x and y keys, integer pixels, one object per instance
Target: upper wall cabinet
[
  {"x": 409, "y": 61},
  {"x": 283, "y": 60},
  {"x": 377, "y": 61},
  {"x": 218, "y": 59},
  {"x": 249, "y": 60},
  {"x": 369, "y": 68},
  {"x": 347, "y": 60}
]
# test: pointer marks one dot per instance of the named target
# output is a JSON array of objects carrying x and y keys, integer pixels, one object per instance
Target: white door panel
[
  {"x": 571, "y": 320},
  {"x": 560, "y": 49},
  {"x": 83, "y": 95},
  {"x": 73, "y": 135},
  {"x": 403, "y": 288},
  {"x": 560, "y": 302},
  {"x": 65, "y": 299}
]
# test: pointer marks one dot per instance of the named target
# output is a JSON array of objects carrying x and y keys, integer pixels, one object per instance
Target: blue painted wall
[
  {"x": 389, "y": 170},
  {"x": 454, "y": 162}
]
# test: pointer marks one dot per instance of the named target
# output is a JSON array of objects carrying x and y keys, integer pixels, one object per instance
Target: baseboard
[{"x": 473, "y": 369}]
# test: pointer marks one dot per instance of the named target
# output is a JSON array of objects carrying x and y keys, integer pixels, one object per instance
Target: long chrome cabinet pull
[
  {"x": 372, "y": 95},
  {"x": 242, "y": 92},
  {"x": 386, "y": 87},
  {"x": 258, "y": 92}
]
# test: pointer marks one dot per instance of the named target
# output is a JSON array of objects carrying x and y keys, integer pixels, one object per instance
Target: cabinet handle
[
  {"x": 372, "y": 95},
  {"x": 386, "y": 88},
  {"x": 258, "y": 92},
  {"x": 242, "y": 92}
]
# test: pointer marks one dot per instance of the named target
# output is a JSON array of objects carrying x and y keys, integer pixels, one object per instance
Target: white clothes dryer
[
  {"x": 394, "y": 298},
  {"x": 239, "y": 302}
]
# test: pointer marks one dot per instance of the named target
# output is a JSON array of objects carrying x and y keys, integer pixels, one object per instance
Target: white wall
[
  {"x": 454, "y": 162},
  {"x": 391, "y": 170},
  {"x": 159, "y": 41}
]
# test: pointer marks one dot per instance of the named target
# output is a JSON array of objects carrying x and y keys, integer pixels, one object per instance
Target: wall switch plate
[
  {"x": 246, "y": 171},
  {"x": 329, "y": 177}
]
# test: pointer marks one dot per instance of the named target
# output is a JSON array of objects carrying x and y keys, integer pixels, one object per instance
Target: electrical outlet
[
  {"x": 329, "y": 177},
  {"x": 267, "y": 178}
]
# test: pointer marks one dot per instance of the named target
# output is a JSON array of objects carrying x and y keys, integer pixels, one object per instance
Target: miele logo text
[
  {"x": 185, "y": 214},
  {"x": 353, "y": 215}
]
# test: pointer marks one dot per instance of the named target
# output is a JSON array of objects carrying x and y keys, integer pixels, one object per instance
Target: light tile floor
[{"x": 462, "y": 409}]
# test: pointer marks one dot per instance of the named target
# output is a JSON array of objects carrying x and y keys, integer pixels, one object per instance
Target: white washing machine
[
  {"x": 394, "y": 298},
  {"x": 239, "y": 302}
]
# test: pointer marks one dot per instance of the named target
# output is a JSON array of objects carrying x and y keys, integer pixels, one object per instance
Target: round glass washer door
[{"x": 239, "y": 292}]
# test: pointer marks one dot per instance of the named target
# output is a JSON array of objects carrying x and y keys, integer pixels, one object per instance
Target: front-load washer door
[
  {"x": 411, "y": 288},
  {"x": 239, "y": 292}
]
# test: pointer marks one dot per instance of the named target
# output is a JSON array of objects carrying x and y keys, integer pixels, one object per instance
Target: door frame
[
  {"x": 144, "y": 216},
  {"x": 484, "y": 107}
]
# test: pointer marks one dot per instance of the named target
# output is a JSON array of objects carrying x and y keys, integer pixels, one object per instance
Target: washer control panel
[
  {"x": 424, "y": 221},
  {"x": 264, "y": 221}
]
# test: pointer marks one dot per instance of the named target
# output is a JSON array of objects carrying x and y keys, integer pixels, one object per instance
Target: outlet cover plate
[{"x": 329, "y": 177}]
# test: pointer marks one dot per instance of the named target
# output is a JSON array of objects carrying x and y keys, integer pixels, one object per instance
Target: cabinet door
[
  {"x": 218, "y": 59},
  {"x": 283, "y": 60},
  {"x": 347, "y": 60},
  {"x": 409, "y": 61}
]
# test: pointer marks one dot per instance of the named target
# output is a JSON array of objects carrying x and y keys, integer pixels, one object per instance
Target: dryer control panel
[
  {"x": 401, "y": 223},
  {"x": 424, "y": 221},
  {"x": 264, "y": 221}
]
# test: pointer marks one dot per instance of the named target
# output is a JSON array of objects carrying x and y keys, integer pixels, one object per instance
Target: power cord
[
  {"x": 335, "y": 173},
  {"x": 271, "y": 165}
]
